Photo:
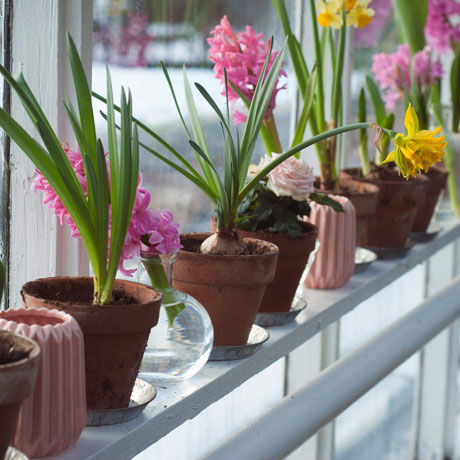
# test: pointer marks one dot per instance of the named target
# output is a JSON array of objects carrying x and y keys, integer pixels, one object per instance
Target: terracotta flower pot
[
  {"x": 334, "y": 262},
  {"x": 292, "y": 259},
  {"x": 52, "y": 418},
  {"x": 18, "y": 371},
  {"x": 229, "y": 287},
  {"x": 115, "y": 335},
  {"x": 437, "y": 179},
  {"x": 398, "y": 203},
  {"x": 363, "y": 195}
]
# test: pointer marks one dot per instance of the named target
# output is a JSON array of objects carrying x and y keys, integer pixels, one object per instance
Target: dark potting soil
[
  {"x": 77, "y": 293},
  {"x": 192, "y": 243},
  {"x": 11, "y": 351}
]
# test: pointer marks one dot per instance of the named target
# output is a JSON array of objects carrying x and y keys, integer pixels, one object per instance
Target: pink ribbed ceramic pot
[
  {"x": 334, "y": 263},
  {"x": 53, "y": 417}
]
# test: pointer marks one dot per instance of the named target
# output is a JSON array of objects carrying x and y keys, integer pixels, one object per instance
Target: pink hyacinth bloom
[
  {"x": 442, "y": 29},
  {"x": 393, "y": 72},
  {"x": 243, "y": 55},
  {"x": 158, "y": 228},
  {"x": 368, "y": 36}
]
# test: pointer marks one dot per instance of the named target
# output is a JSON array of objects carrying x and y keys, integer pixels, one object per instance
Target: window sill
[{"x": 179, "y": 402}]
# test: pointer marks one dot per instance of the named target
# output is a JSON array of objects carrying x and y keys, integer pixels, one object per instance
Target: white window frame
[{"x": 40, "y": 247}]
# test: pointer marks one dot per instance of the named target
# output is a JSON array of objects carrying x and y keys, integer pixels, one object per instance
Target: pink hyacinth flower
[
  {"x": 242, "y": 55},
  {"x": 393, "y": 72},
  {"x": 442, "y": 29},
  {"x": 158, "y": 228}
]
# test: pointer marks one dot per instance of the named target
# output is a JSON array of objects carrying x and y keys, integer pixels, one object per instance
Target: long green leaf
[
  {"x": 376, "y": 99},
  {"x": 306, "y": 109},
  {"x": 83, "y": 95}
]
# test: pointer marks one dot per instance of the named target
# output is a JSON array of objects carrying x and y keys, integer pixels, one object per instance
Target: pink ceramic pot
[
  {"x": 334, "y": 263},
  {"x": 53, "y": 417}
]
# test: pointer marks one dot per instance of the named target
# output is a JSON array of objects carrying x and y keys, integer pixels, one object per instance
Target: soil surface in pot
[
  {"x": 12, "y": 351},
  {"x": 84, "y": 295}
]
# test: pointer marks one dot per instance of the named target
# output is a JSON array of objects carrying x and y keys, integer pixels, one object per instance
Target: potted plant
[
  {"x": 61, "y": 367},
  {"x": 18, "y": 372},
  {"x": 275, "y": 209},
  {"x": 442, "y": 35},
  {"x": 402, "y": 76},
  {"x": 115, "y": 316},
  {"x": 330, "y": 15},
  {"x": 211, "y": 266}
]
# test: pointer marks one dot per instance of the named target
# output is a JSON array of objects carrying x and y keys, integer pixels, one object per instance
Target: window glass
[{"x": 133, "y": 37}]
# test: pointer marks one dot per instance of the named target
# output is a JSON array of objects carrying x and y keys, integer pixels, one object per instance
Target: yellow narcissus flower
[
  {"x": 360, "y": 15},
  {"x": 419, "y": 149},
  {"x": 329, "y": 13},
  {"x": 349, "y": 4}
]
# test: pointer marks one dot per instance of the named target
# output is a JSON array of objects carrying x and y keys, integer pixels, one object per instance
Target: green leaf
[
  {"x": 376, "y": 99},
  {"x": 455, "y": 90},
  {"x": 326, "y": 200},
  {"x": 410, "y": 16},
  {"x": 306, "y": 109}
]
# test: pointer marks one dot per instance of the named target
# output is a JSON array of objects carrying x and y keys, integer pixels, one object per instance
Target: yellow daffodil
[
  {"x": 349, "y": 4},
  {"x": 329, "y": 13},
  {"x": 360, "y": 15},
  {"x": 419, "y": 149}
]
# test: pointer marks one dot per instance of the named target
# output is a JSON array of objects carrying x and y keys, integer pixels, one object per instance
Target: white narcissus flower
[{"x": 293, "y": 177}]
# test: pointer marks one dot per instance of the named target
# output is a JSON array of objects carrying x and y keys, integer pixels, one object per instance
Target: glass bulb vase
[{"x": 180, "y": 344}]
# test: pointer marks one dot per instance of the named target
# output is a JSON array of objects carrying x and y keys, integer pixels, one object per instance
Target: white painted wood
[
  {"x": 38, "y": 47},
  {"x": 178, "y": 403},
  {"x": 434, "y": 421},
  {"x": 303, "y": 365},
  {"x": 212, "y": 426},
  {"x": 338, "y": 386}
]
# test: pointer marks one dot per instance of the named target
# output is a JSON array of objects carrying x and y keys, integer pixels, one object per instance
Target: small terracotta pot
[
  {"x": 229, "y": 287},
  {"x": 399, "y": 200},
  {"x": 334, "y": 262},
  {"x": 292, "y": 259},
  {"x": 52, "y": 418},
  {"x": 18, "y": 371},
  {"x": 115, "y": 335},
  {"x": 437, "y": 179},
  {"x": 364, "y": 197}
]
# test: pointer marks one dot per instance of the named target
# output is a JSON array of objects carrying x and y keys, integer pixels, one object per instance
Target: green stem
[
  {"x": 364, "y": 156},
  {"x": 319, "y": 66},
  {"x": 270, "y": 125},
  {"x": 449, "y": 162},
  {"x": 160, "y": 281}
]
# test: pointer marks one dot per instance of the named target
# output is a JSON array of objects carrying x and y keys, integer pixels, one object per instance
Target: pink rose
[{"x": 292, "y": 178}]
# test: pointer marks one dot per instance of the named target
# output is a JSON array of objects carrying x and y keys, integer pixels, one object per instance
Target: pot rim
[
  {"x": 44, "y": 312},
  {"x": 34, "y": 353},
  {"x": 82, "y": 305},
  {"x": 274, "y": 250}
]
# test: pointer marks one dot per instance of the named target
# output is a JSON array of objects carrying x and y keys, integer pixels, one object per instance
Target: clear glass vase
[{"x": 180, "y": 344}]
